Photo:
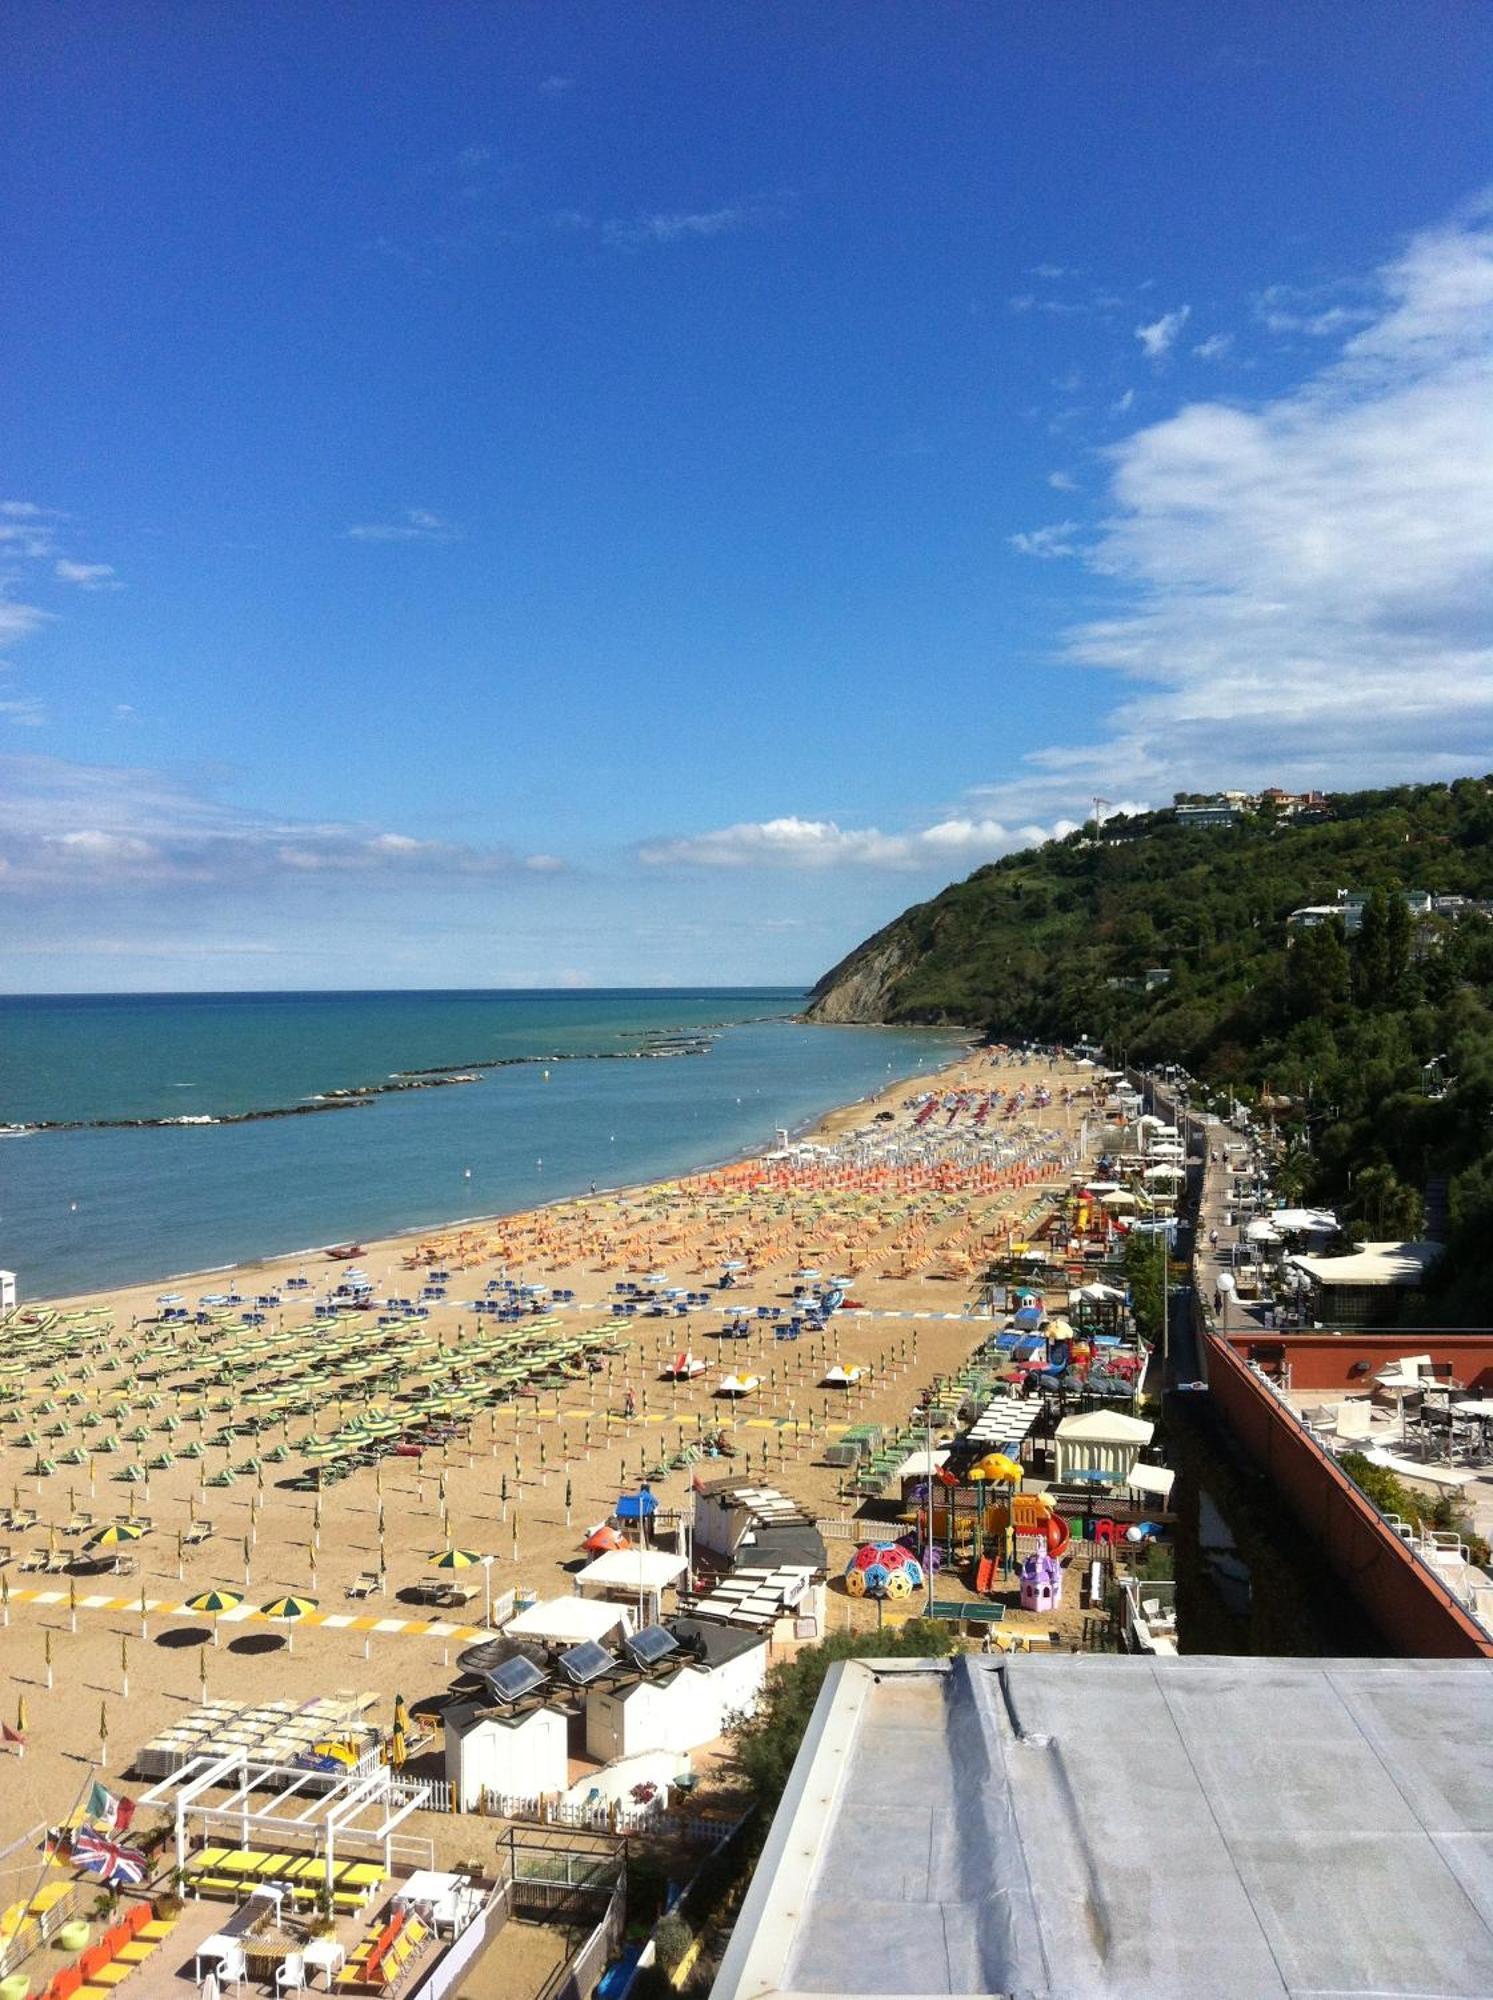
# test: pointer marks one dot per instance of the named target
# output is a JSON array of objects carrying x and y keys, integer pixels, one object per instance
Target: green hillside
[{"x": 1382, "y": 1042}]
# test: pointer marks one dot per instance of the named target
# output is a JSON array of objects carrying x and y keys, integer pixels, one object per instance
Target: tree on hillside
[
  {"x": 1318, "y": 972},
  {"x": 1371, "y": 952}
]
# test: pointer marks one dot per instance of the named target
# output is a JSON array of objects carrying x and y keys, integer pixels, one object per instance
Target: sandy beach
[{"x": 910, "y": 1212}]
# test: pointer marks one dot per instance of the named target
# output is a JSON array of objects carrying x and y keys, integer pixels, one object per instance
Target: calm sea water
[{"x": 79, "y": 1210}]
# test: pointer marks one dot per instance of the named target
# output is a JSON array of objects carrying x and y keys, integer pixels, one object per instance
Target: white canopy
[
  {"x": 632, "y": 1570},
  {"x": 1374, "y": 1264},
  {"x": 1105, "y": 1427},
  {"x": 566, "y": 1621},
  {"x": 1155, "y": 1480},
  {"x": 1315, "y": 1221},
  {"x": 919, "y": 1464},
  {"x": 1097, "y": 1291}
]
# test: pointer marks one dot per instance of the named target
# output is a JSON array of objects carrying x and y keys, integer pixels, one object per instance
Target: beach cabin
[
  {"x": 517, "y": 1753},
  {"x": 687, "y": 1700},
  {"x": 748, "y": 1523},
  {"x": 1105, "y": 1442}
]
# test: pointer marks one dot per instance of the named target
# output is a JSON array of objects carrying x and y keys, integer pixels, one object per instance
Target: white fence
[{"x": 700, "y": 1829}]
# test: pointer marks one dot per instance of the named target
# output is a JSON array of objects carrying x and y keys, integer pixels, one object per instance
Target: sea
[{"x": 85, "y": 1209}]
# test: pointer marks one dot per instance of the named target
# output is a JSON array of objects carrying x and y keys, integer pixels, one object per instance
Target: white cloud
[
  {"x": 1047, "y": 543},
  {"x": 1303, "y": 588},
  {"x": 675, "y": 226},
  {"x": 113, "y": 827},
  {"x": 1158, "y": 339},
  {"x": 556, "y": 86},
  {"x": 1062, "y": 482},
  {"x": 23, "y": 712},
  {"x": 87, "y": 576},
  {"x": 1305, "y": 309},
  {"x": 1215, "y": 347},
  {"x": 951, "y": 845},
  {"x": 1122, "y": 405},
  {"x": 415, "y": 524}
]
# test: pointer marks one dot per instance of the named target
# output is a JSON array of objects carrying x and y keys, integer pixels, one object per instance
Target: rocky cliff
[{"x": 861, "y": 987}]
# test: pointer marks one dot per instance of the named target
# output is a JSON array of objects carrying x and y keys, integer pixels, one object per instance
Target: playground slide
[
  {"x": 1059, "y": 1535},
  {"x": 985, "y": 1574}
]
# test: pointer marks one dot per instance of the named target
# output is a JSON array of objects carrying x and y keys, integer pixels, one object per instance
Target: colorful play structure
[
  {"x": 989, "y": 1533},
  {"x": 1041, "y": 1583},
  {"x": 884, "y": 1569}
]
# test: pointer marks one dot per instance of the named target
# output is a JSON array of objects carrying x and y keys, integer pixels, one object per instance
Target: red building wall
[
  {"x": 1414, "y": 1610},
  {"x": 1351, "y": 1359}
]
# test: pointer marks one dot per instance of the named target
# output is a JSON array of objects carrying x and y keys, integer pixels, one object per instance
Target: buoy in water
[{"x": 466, "y": 1173}]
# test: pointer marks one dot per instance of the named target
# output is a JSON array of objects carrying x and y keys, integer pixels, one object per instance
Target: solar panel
[
  {"x": 516, "y": 1678},
  {"x": 583, "y": 1663},
  {"x": 652, "y": 1644}
]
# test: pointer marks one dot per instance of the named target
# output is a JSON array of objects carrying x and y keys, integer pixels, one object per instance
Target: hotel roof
[{"x": 1083, "y": 1825}]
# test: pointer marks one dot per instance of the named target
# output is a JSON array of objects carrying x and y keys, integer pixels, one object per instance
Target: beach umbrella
[
  {"x": 116, "y": 1533},
  {"x": 336, "y": 1752},
  {"x": 285, "y": 1611},
  {"x": 214, "y": 1603},
  {"x": 456, "y": 1559}
]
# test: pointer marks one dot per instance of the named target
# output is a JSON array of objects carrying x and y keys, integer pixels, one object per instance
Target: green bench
[{"x": 968, "y": 1614}]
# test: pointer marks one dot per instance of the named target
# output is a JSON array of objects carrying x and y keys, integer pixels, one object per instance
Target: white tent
[
  {"x": 566, "y": 1621},
  {"x": 1313, "y": 1221},
  {"x": 1153, "y": 1481},
  {"x": 632, "y": 1570},
  {"x": 1101, "y": 1441}
]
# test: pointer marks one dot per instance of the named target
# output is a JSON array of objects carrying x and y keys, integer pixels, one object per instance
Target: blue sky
[{"x": 640, "y": 493}]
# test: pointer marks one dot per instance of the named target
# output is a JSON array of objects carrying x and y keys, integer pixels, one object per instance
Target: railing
[
  {"x": 465, "y": 1950},
  {"x": 576, "y": 1979},
  {"x": 696, "y": 1829}
]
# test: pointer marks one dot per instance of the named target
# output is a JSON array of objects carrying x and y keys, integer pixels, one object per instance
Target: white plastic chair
[{"x": 290, "y": 1975}]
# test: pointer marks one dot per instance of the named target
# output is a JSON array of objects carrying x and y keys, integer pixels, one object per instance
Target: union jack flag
[{"x": 111, "y": 1861}]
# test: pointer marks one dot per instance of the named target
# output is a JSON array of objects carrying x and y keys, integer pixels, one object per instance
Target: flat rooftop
[{"x": 1077, "y": 1825}]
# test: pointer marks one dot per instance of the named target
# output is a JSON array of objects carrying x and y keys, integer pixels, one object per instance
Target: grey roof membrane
[{"x": 1083, "y": 1825}]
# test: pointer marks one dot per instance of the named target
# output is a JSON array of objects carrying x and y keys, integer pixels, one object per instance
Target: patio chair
[{"x": 290, "y": 1975}]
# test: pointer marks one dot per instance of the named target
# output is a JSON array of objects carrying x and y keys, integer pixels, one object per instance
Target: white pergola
[{"x": 252, "y": 1798}]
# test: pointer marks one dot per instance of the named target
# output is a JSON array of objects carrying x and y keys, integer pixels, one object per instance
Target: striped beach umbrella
[
  {"x": 456, "y": 1559},
  {"x": 214, "y": 1603},
  {"x": 116, "y": 1533},
  {"x": 286, "y": 1611}
]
